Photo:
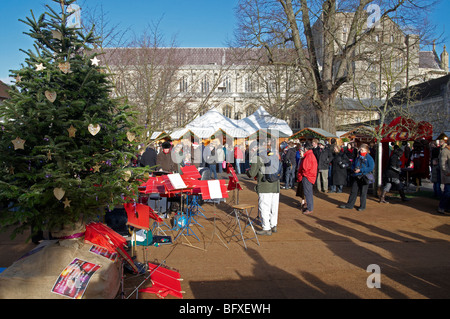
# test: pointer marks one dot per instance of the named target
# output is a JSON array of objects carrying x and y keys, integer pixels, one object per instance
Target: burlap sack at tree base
[
  {"x": 68, "y": 230},
  {"x": 34, "y": 276}
]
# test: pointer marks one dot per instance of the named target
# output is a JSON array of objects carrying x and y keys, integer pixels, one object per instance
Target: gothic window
[
  {"x": 205, "y": 85},
  {"x": 372, "y": 67},
  {"x": 184, "y": 84},
  {"x": 271, "y": 86},
  {"x": 303, "y": 116},
  {"x": 227, "y": 110},
  {"x": 227, "y": 84},
  {"x": 250, "y": 110},
  {"x": 249, "y": 85},
  {"x": 398, "y": 64},
  {"x": 180, "y": 117},
  {"x": 296, "y": 121}
]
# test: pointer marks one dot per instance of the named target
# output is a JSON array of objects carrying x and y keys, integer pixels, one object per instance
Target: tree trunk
[{"x": 326, "y": 112}]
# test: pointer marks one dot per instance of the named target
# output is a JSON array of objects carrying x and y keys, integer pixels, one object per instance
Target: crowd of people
[
  {"x": 213, "y": 156},
  {"x": 327, "y": 168},
  {"x": 313, "y": 166}
]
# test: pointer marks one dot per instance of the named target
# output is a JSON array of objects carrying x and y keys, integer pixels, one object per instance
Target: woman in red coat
[
  {"x": 238, "y": 158},
  {"x": 306, "y": 177}
]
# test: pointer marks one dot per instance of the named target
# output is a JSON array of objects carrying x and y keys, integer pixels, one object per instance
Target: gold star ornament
[
  {"x": 72, "y": 130},
  {"x": 18, "y": 143},
  {"x": 66, "y": 202},
  {"x": 97, "y": 168}
]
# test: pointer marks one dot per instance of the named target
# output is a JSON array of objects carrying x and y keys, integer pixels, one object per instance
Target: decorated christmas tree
[{"x": 65, "y": 144}]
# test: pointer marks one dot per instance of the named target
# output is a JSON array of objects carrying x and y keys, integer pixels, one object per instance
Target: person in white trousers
[{"x": 268, "y": 192}]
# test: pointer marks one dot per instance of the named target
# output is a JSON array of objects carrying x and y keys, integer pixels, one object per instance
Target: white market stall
[{"x": 214, "y": 123}]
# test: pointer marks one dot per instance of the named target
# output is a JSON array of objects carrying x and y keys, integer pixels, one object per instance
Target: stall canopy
[
  {"x": 362, "y": 133},
  {"x": 262, "y": 120},
  {"x": 312, "y": 132},
  {"x": 214, "y": 122},
  {"x": 158, "y": 135},
  {"x": 403, "y": 129}
]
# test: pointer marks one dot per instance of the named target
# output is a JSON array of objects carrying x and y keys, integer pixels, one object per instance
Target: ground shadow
[
  {"x": 267, "y": 282},
  {"x": 402, "y": 267}
]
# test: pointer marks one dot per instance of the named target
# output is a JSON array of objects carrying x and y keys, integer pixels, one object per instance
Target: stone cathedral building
[{"x": 172, "y": 86}]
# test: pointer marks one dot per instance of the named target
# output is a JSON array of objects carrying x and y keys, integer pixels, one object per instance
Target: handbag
[{"x": 368, "y": 178}]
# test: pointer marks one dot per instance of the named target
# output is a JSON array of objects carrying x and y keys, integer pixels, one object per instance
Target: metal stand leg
[
  {"x": 238, "y": 212},
  {"x": 216, "y": 234},
  {"x": 251, "y": 225},
  {"x": 237, "y": 215}
]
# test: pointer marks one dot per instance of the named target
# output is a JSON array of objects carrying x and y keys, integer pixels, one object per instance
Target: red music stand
[
  {"x": 138, "y": 215},
  {"x": 164, "y": 282},
  {"x": 154, "y": 185},
  {"x": 233, "y": 183},
  {"x": 204, "y": 187},
  {"x": 191, "y": 171},
  {"x": 101, "y": 235}
]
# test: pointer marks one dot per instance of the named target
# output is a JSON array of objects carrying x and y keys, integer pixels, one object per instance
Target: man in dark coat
[
  {"x": 164, "y": 159},
  {"x": 339, "y": 167},
  {"x": 290, "y": 162},
  {"x": 392, "y": 175},
  {"x": 323, "y": 161},
  {"x": 148, "y": 158}
]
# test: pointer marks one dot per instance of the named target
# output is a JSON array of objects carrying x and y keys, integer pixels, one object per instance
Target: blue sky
[{"x": 196, "y": 23}]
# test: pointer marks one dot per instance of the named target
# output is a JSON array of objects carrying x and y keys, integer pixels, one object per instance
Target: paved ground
[{"x": 324, "y": 255}]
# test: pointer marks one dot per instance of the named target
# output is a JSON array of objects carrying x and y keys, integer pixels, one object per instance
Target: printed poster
[{"x": 73, "y": 280}]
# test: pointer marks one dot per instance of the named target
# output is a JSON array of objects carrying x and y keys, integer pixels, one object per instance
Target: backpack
[{"x": 272, "y": 169}]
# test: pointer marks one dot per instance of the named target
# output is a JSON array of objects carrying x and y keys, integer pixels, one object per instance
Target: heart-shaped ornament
[
  {"x": 127, "y": 175},
  {"x": 59, "y": 193},
  {"x": 56, "y": 35},
  {"x": 64, "y": 67},
  {"x": 50, "y": 95},
  {"x": 94, "y": 129},
  {"x": 131, "y": 136}
]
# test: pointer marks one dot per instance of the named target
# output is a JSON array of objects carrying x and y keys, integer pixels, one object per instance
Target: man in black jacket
[
  {"x": 392, "y": 175},
  {"x": 148, "y": 158},
  {"x": 324, "y": 158},
  {"x": 290, "y": 164}
]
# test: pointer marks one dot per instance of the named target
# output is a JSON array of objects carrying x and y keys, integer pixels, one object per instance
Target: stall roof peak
[{"x": 213, "y": 121}]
